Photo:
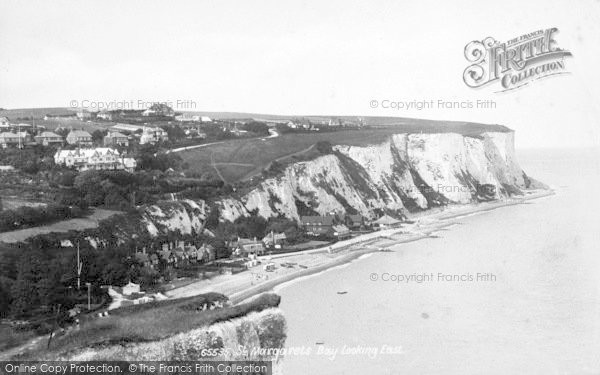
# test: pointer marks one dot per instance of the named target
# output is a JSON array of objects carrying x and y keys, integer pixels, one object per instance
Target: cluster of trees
[
  {"x": 123, "y": 191},
  {"x": 259, "y": 128},
  {"x": 30, "y": 160},
  {"x": 151, "y": 158},
  {"x": 35, "y": 277},
  {"x": 254, "y": 226},
  {"x": 25, "y": 217}
]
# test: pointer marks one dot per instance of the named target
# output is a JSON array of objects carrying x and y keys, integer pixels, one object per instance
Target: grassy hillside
[
  {"x": 151, "y": 322},
  {"x": 242, "y": 159}
]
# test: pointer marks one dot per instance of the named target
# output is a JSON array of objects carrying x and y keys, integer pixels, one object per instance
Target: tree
[
  {"x": 24, "y": 291},
  {"x": 5, "y": 296},
  {"x": 98, "y": 135},
  {"x": 256, "y": 127}
]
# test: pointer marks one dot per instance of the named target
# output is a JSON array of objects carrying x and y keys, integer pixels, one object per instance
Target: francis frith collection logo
[{"x": 514, "y": 63}]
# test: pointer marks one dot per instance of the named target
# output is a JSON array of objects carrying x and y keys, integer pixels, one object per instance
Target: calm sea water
[{"x": 540, "y": 316}]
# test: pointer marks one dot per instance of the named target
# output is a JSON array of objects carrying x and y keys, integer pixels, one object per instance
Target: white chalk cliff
[{"x": 407, "y": 172}]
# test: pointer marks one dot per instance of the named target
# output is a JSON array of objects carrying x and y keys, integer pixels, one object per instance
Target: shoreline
[{"x": 241, "y": 287}]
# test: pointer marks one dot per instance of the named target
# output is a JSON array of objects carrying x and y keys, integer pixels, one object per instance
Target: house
[
  {"x": 180, "y": 255},
  {"x": 205, "y": 119},
  {"x": 18, "y": 139},
  {"x": 80, "y": 138},
  {"x": 274, "y": 239},
  {"x": 188, "y": 117},
  {"x": 206, "y": 253},
  {"x": 195, "y": 133},
  {"x": 159, "y": 109},
  {"x": 4, "y": 123},
  {"x": 341, "y": 231},
  {"x": 105, "y": 115},
  {"x": 386, "y": 222},
  {"x": 354, "y": 221},
  {"x": 317, "y": 225},
  {"x": 116, "y": 139},
  {"x": 84, "y": 115},
  {"x": 167, "y": 256},
  {"x": 246, "y": 247},
  {"x": 153, "y": 135},
  {"x": 100, "y": 158},
  {"x": 238, "y": 132},
  {"x": 130, "y": 289},
  {"x": 143, "y": 259},
  {"x": 127, "y": 128},
  {"x": 292, "y": 125},
  {"x": 48, "y": 138}
]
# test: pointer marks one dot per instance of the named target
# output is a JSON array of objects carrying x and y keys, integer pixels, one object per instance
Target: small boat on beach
[
  {"x": 302, "y": 266},
  {"x": 342, "y": 292}
]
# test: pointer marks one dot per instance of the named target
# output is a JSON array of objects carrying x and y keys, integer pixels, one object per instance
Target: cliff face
[
  {"x": 185, "y": 215},
  {"x": 409, "y": 172}
]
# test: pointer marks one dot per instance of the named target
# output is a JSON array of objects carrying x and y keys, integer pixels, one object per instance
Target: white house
[
  {"x": 100, "y": 158},
  {"x": 153, "y": 135},
  {"x": 84, "y": 115},
  {"x": 131, "y": 288}
]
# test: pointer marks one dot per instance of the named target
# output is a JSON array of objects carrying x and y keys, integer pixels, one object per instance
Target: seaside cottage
[
  {"x": 143, "y": 259},
  {"x": 317, "y": 225},
  {"x": 206, "y": 253},
  {"x": 354, "y": 222},
  {"x": 340, "y": 231},
  {"x": 130, "y": 289},
  {"x": 274, "y": 239},
  {"x": 386, "y": 222},
  {"x": 246, "y": 247}
]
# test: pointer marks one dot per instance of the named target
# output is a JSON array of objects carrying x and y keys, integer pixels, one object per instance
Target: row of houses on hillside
[
  {"x": 146, "y": 134},
  {"x": 176, "y": 256},
  {"x": 312, "y": 124},
  {"x": 247, "y": 247},
  {"x": 100, "y": 158}
]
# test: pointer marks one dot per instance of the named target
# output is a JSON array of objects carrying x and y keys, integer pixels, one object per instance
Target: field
[
  {"x": 242, "y": 159},
  {"x": 81, "y": 223}
]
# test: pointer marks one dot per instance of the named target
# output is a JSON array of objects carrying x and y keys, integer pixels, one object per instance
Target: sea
[{"x": 515, "y": 290}]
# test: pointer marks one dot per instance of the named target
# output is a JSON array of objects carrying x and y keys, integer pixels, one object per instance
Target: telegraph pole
[
  {"x": 79, "y": 265},
  {"x": 89, "y": 300}
]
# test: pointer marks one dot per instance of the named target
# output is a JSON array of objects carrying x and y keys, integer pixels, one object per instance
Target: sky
[{"x": 299, "y": 57}]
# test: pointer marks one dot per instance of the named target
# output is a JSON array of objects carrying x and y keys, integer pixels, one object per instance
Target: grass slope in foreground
[{"x": 149, "y": 322}]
